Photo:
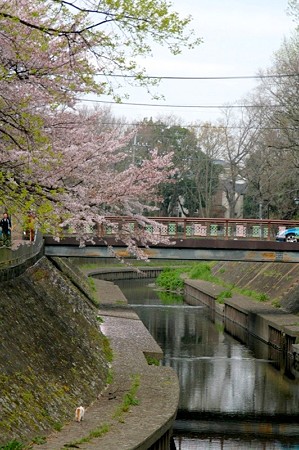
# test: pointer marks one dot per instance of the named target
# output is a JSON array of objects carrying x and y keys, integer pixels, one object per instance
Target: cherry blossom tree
[
  {"x": 82, "y": 188},
  {"x": 53, "y": 157}
]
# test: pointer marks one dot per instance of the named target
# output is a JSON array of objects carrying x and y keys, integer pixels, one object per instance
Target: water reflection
[{"x": 225, "y": 389}]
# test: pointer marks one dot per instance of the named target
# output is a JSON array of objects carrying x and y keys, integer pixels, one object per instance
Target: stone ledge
[
  {"x": 158, "y": 393},
  {"x": 256, "y": 317}
]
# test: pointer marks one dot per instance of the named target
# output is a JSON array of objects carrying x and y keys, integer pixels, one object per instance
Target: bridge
[{"x": 191, "y": 239}]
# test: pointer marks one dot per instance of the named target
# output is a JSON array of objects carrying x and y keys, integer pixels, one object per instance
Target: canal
[{"x": 231, "y": 396}]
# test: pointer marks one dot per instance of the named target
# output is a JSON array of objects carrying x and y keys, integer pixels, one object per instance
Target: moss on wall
[
  {"x": 53, "y": 356},
  {"x": 278, "y": 280}
]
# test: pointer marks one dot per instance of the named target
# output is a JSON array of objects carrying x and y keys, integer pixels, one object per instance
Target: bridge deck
[{"x": 184, "y": 249}]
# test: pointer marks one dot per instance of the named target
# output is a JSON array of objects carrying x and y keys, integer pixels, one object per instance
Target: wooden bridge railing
[{"x": 196, "y": 227}]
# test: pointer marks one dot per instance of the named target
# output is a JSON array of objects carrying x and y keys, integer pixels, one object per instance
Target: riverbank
[
  {"x": 157, "y": 393},
  {"x": 272, "y": 319},
  {"x": 110, "y": 423},
  {"x": 244, "y": 318}
]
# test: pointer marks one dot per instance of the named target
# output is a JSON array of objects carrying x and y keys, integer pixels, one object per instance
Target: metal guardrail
[
  {"x": 20, "y": 251},
  {"x": 196, "y": 227}
]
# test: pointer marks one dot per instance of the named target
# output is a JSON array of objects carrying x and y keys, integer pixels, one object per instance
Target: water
[{"x": 230, "y": 397}]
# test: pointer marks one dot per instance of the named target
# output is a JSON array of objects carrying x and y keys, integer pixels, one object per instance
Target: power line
[
  {"x": 234, "y": 77},
  {"x": 202, "y": 125},
  {"x": 177, "y": 106}
]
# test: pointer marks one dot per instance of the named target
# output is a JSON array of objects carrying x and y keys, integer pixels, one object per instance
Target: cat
[{"x": 80, "y": 411}]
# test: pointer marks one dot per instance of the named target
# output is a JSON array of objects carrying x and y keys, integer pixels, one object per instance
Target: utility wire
[
  {"x": 178, "y": 106},
  {"x": 235, "y": 77},
  {"x": 203, "y": 125}
]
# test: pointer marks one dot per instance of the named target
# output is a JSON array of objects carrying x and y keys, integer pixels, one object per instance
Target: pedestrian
[
  {"x": 29, "y": 227},
  {"x": 5, "y": 224}
]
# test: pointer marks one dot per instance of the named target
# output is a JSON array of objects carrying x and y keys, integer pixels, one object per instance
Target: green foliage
[
  {"x": 93, "y": 291},
  {"x": 96, "y": 433},
  {"x": 170, "y": 279},
  {"x": 201, "y": 271},
  {"x": 12, "y": 445},
  {"x": 107, "y": 348},
  {"x": 260, "y": 297},
  {"x": 49, "y": 40},
  {"x": 276, "y": 303},
  {"x": 109, "y": 377},
  {"x": 197, "y": 176},
  {"x": 224, "y": 294},
  {"x": 57, "y": 426},
  {"x": 271, "y": 273},
  {"x": 39, "y": 440},
  {"x": 170, "y": 298},
  {"x": 152, "y": 361},
  {"x": 129, "y": 399},
  {"x": 120, "y": 302},
  {"x": 220, "y": 327},
  {"x": 100, "y": 264},
  {"x": 92, "y": 284}
]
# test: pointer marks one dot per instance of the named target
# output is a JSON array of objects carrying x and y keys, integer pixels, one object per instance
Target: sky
[{"x": 239, "y": 38}]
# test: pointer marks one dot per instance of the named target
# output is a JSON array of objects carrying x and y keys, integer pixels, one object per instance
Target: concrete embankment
[
  {"x": 54, "y": 353},
  {"x": 278, "y": 281},
  {"x": 243, "y": 318},
  {"x": 148, "y": 423}
]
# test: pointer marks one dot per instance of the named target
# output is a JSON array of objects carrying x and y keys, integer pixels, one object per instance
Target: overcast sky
[{"x": 240, "y": 37}]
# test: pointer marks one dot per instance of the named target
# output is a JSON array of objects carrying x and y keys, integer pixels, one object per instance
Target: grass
[
  {"x": 39, "y": 440},
  {"x": 129, "y": 399},
  {"x": 152, "y": 361},
  {"x": 57, "y": 426},
  {"x": 202, "y": 271},
  {"x": 96, "y": 433},
  {"x": 91, "y": 284},
  {"x": 107, "y": 348},
  {"x": 109, "y": 377},
  {"x": 223, "y": 295},
  {"x": 258, "y": 296},
  {"x": 276, "y": 303},
  {"x": 133, "y": 263},
  {"x": 170, "y": 298},
  {"x": 13, "y": 445},
  {"x": 172, "y": 279}
]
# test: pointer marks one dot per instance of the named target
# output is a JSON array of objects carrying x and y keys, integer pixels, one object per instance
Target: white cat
[{"x": 80, "y": 411}]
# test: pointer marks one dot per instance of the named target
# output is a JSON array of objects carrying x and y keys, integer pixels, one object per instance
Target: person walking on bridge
[{"x": 5, "y": 224}]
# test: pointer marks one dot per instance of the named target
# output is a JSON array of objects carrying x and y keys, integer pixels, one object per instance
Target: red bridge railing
[{"x": 196, "y": 227}]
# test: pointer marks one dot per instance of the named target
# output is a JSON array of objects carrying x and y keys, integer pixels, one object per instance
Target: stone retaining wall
[
  {"x": 52, "y": 353},
  {"x": 242, "y": 316}
]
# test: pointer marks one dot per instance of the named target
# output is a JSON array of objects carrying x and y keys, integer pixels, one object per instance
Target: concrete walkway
[{"x": 157, "y": 395}]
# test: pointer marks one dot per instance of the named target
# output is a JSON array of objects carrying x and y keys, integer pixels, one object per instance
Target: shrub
[
  {"x": 170, "y": 279},
  {"x": 201, "y": 271}
]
